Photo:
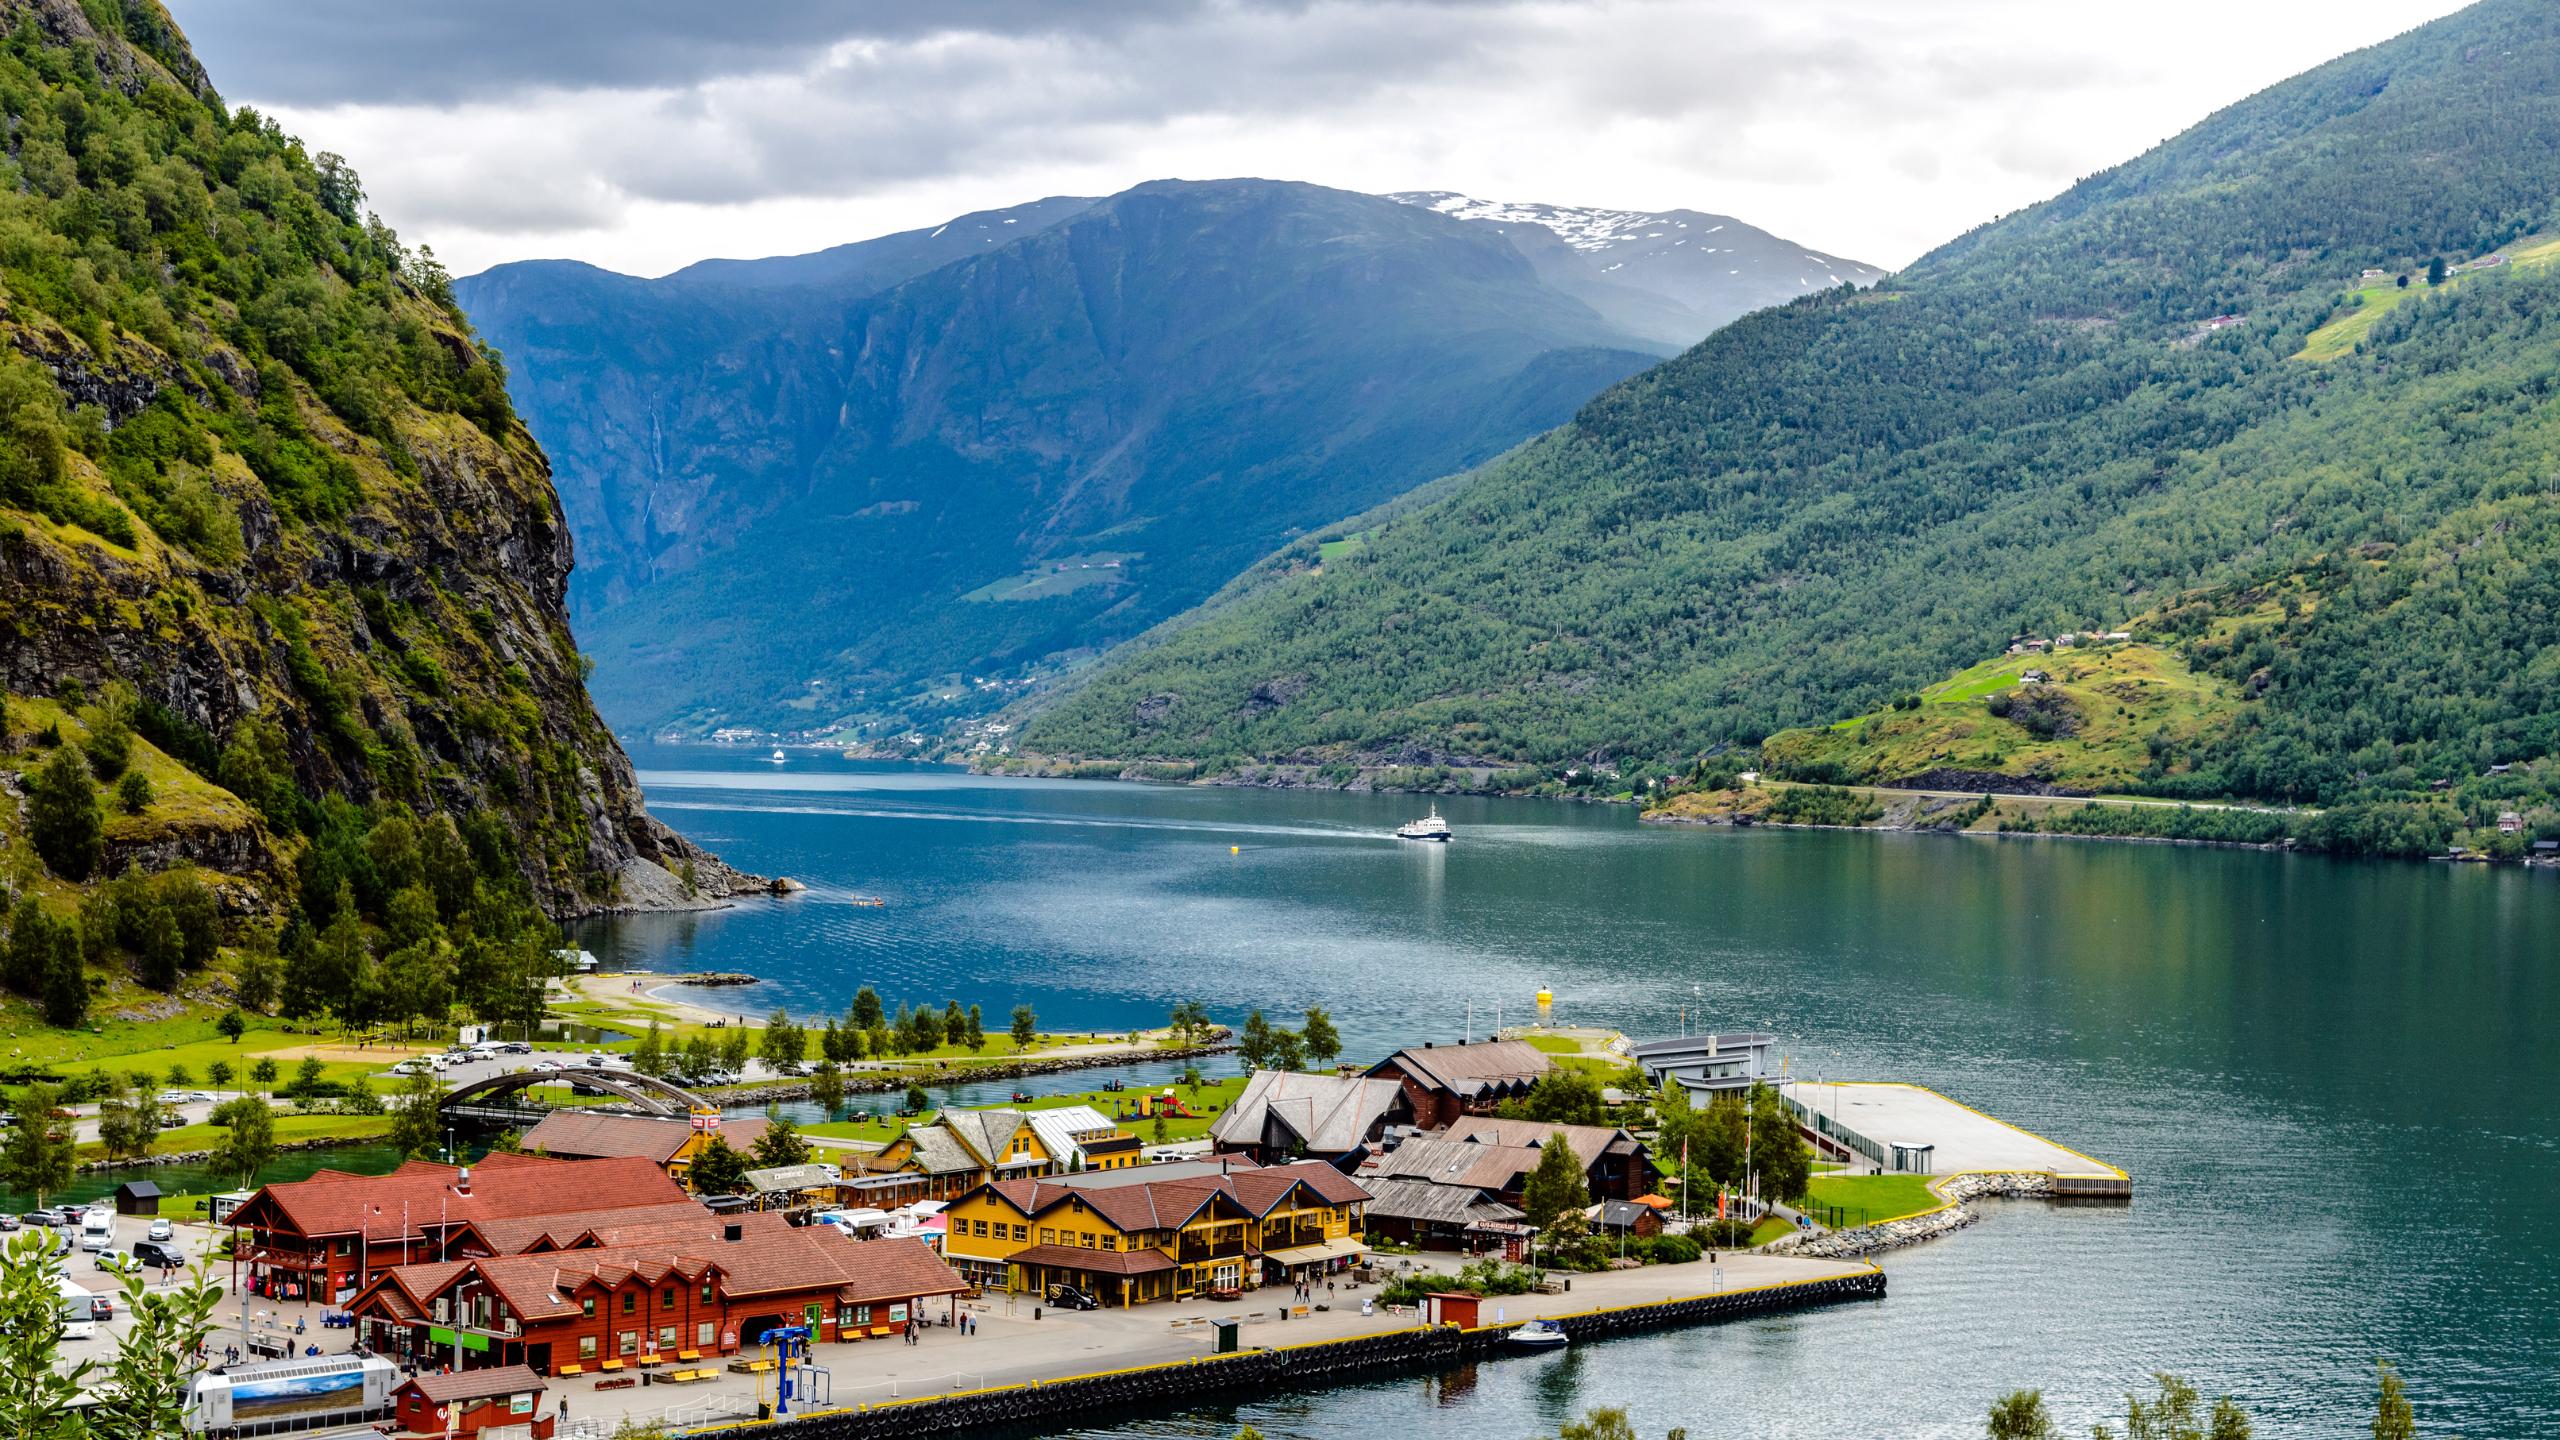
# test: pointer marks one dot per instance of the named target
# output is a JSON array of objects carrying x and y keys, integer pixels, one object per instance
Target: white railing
[
  {"x": 896, "y": 1389},
  {"x": 672, "y": 1418}
]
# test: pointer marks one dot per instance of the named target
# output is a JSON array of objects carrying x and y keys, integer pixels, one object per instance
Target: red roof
[
  {"x": 477, "y": 1384},
  {"x": 1099, "y": 1262},
  {"x": 764, "y": 1261},
  {"x": 503, "y": 1188}
]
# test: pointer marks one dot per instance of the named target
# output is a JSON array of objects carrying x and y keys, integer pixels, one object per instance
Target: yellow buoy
[
  {"x": 1235, "y": 849},
  {"x": 1546, "y": 1004}
]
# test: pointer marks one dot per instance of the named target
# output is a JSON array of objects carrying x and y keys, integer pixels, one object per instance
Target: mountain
[
  {"x": 2190, "y": 398},
  {"x": 896, "y": 482},
  {"x": 1668, "y": 275},
  {"x": 281, "y": 576}
]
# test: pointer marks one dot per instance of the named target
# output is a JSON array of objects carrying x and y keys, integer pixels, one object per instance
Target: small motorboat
[
  {"x": 778, "y": 757},
  {"x": 1538, "y": 1335}
]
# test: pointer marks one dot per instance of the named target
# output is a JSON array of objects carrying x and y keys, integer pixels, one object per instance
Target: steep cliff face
[{"x": 255, "y": 467}]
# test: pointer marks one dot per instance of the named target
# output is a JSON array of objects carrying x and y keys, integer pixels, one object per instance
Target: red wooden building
[
  {"x": 324, "y": 1237},
  {"x": 470, "y": 1401},
  {"x": 1446, "y": 1083},
  {"x": 668, "y": 1299}
]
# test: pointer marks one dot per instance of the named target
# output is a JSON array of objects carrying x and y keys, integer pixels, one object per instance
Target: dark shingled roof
[{"x": 477, "y": 1384}]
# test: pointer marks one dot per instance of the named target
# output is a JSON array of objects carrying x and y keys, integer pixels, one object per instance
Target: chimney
[
  {"x": 733, "y": 1231},
  {"x": 1426, "y": 1044},
  {"x": 462, "y": 1181}
]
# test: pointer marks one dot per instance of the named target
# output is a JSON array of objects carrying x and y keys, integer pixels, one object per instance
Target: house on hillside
[
  {"x": 1445, "y": 1083},
  {"x": 1283, "y": 1116}
]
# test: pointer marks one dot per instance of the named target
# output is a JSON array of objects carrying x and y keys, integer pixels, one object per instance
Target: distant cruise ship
[{"x": 1430, "y": 827}]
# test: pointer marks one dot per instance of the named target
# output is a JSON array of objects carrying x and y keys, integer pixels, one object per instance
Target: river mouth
[{"x": 2260, "y": 1039}]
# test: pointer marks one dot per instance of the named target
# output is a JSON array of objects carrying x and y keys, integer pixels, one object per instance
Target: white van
[{"x": 98, "y": 1229}]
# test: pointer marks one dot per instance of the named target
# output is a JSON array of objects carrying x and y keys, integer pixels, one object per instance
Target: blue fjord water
[{"x": 2335, "y": 1083}]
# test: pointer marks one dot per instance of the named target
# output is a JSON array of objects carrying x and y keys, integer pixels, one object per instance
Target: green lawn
[
  {"x": 1870, "y": 1199},
  {"x": 290, "y": 1130},
  {"x": 1328, "y": 551},
  {"x": 1770, "y": 1229},
  {"x": 1209, "y": 1099},
  {"x": 2339, "y": 338}
]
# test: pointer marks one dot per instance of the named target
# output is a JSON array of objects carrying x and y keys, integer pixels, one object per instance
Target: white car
[
  {"x": 160, "y": 1230},
  {"x": 119, "y": 1262},
  {"x": 413, "y": 1067},
  {"x": 546, "y": 1066},
  {"x": 176, "y": 1097}
]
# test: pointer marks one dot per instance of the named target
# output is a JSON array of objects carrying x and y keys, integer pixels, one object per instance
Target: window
[
  {"x": 706, "y": 1334},
  {"x": 630, "y": 1301},
  {"x": 1021, "y": 1232},
  {"x": 666, "y": 1337},
  {"x": 630, "y": 1342},
  {"x": 1110, "y": 1242},
  {"x": 844, "y": 1316},
  {"x": 1048, "y": 1235},
  {"x": 861, "y": 1314},
  {"x": 671, "y": 1297},
  {"x": 586, "y": 1347},
  {"x": 587, "y": 1306},
  {"x": 706, "y": 1289}
]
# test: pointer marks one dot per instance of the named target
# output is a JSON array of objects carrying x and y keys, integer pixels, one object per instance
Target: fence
[
  {"x": 894, "y": 1389},
  {"x": 671, "y": 1419}
]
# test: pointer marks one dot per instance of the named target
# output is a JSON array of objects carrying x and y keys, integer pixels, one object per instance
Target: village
[{"x": 584, "y": 1279}]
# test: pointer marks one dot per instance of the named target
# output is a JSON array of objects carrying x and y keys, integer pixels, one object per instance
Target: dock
[{"x": 1912, "y": 1129}]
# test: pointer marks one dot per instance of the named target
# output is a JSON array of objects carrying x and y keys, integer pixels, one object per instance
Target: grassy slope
[
  {"x": 1869, "y": 1199},
  {"x": 2367, "y": 304},
  {"x": 1209, "y": 1098},
  {"x": 2122, "y": 694}
]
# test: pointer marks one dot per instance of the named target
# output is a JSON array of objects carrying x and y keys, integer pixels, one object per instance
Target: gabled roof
[
  {"x": 938, "y": 1152},
  {"x": 1059, "y": 1127},
  {"x": 503, "y": 1187},
  {"x": 987, "y": 1134},
  {"x": 580, "y": 1134},
  {"x": 1443, "y": 1161},
  {"x": 476, "y": 1384},
  {"x": 1470, "y": 1070},
  {"x": 774, "y": 1261},
  {"x": 1326, "y": 1114},
  {"x": 1437, "y": 1204},
  {"x": 1129, "y": 1201},
  {"x": 1589, "y": 1142}
]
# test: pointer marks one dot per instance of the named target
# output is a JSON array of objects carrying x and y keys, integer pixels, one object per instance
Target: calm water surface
[{"x": 2334, "y": 1083}]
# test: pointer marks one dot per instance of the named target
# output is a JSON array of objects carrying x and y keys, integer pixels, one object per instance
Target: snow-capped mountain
[{"x": 1670, "y": 275}]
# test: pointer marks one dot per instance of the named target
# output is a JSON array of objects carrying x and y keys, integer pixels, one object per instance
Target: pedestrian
[{"x": 564, "y": 1409}]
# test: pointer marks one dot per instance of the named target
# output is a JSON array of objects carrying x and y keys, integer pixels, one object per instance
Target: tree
[
  {"x": 2393, "y": 1418},
  {"x": 718, "y": 1169},
  {"x": 976, "y": 1038},
  {"x": 1163, "y": 1128},
  {"x": 2020, "y": 1415},
  {"x": 416, "y": 1126},
  {"x": 2435, "y": 269},
  {"x": 698, "y": 1056},
  {"x": 110, "y": 743},
  {"x": 62, "y": 818},
  {"x": 218, "y": 1073},
  {"x": 1253, "y": 1043},
  {"x": 309, "y": 1078},
  {"x": 1287, "y": 1050},
  {"x": 1555, "y": 1184},
  {"x": 783, "y": 1043},
  {"x": 1607, "y": 1422},
  {"x": 256, "y": 985},
  {"x": 35, "y": 1397},
  {"x": 124, "y": 1131},
  {"x": 826, "y": 1087},
  {"x": 1566, "y": 1097},
  {"x": 1026, "y": 1027},
  {"x": 2177, "y": 1413},
  {"x": 133, "y": 792},
  {"x": 1322, "y": 1042},
  {"x": 780, "y": 1144},
  {"x": 915, "y": 1100},
  {"x": 1778, "y": 1151},
  {"x": 955, "y": 1024},
  {"x": 735, "y": 1046},
  {"x": 232, "y": 1026},
  {"x": 149, "y": 1385},
  {"x": 866, "y": 1013},
  {"x": 649, "y": 1057},
  {"x": 35, "y": 1157},
  {"x": 249, "y": 1141},
  {"x": 263, "y": 1074}
]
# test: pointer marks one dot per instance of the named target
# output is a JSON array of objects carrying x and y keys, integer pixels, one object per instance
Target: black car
[
  {"x": 1068, "y": 1297},
  {"x": 159, "y": 1254}
]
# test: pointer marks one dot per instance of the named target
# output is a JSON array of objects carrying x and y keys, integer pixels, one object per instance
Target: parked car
[
  {"x": 547, "y": 1066},
  {"x": 40, "y": 1218},
  {"x": 159, "y": 1254},
  {"x": 1068, "y": 1297},
  {"x": 120, "y": 1262},
  {"x": 413, "y": 1067},
  {"x": 517, "y": 1047},
  {"x": 176, "y": 1097},
  {"x": 9, "y": 1222},
  {"x": 161, "y": 1229}
]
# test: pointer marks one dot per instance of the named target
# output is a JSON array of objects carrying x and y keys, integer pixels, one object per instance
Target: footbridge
[{"x": 501, "y": 1099}]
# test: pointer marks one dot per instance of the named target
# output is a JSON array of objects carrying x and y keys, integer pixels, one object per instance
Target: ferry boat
[
  {"x": 1430, "y": 827},
  {"x": 777, "y": 757},
  {"x": 1538, "y": 1335}
]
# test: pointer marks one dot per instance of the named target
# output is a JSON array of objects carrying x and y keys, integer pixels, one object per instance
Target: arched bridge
[{"x": 498, "y": 1099}]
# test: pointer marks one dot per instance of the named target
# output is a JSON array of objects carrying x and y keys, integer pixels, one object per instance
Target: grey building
[{"x": 1710, "y": 1065}]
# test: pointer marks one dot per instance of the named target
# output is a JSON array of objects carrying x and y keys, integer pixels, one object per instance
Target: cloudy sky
[{"x": 643, "y": 134}]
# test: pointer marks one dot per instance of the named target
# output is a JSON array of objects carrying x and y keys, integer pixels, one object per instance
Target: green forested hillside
[{"x": 2059, "y": 421}]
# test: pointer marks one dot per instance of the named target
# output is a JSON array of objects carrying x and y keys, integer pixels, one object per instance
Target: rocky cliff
[{"x": 259, "y": 481}]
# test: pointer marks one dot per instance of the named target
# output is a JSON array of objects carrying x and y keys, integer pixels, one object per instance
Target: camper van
[
  {"x": 98, "y": 1228},
  {"x": 321, "y": 1392}
]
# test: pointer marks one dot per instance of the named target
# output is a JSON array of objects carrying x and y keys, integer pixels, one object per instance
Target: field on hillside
[
  {"x": 2338, "y": 339},
  {"x": 2086, "y": 727}
]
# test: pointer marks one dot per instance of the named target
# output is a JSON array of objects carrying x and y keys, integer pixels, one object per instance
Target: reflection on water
[{"x": 2333, "y": 1082}]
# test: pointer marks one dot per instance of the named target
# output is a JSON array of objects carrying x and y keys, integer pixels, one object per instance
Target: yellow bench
[
  {"x": 688, "y": 1354},
  {"x": 750, "y": 1367},
  {"x": 614, "y": 1364},
  {"x": 879, "y": 1331},
  {"x": 648, "y": 1360},
  {"x": 686, "y": 1377},
  {"x": 566, "y": 1370}
]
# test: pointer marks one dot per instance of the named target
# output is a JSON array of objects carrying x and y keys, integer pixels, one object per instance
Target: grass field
[
  {"x": 1871, "y": 1199},
  {"x": 1328, "y": 551},
  {"x": 1209, "y": 1099},
  {"x": 2338, "y": 339},
  {"x": 290, "y": 1130},
  {"x": 2115, "y": 695}
]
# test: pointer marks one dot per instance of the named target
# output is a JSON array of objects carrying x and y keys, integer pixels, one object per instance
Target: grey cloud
[{"x": 435, "y": 52}]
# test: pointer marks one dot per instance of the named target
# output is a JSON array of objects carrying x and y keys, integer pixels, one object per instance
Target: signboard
[
  {"x": 520, "y": 1404},
  {"x": 281, "y": 1396},
  {"x": 897, "y": 1314},
  {"x": 439, "y": 1335},
  {"x": 475, "y": 1342}
]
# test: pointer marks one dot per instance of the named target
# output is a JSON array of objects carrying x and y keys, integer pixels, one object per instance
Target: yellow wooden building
[
  {"x": 966, "y": 1148},
  {"x": 1157, "y": 1232}
]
